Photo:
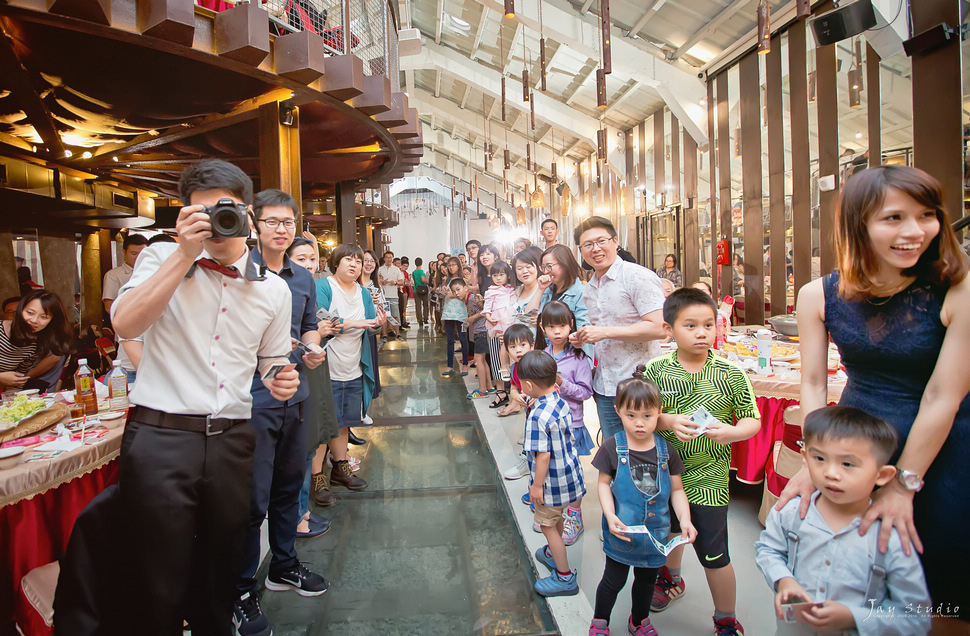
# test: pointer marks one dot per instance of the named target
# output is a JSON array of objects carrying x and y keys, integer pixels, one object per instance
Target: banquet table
[{"x": 39, "y": 502}]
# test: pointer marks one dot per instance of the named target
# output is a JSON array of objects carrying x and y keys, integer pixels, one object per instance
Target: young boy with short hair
[
  {"x": 692, "y": 378},
  {"x": 556, "y": 476},
  {"x": 518, "y": 340},
  {"x": 822, "y": 559},
  {"x": 477, "y": 339}
]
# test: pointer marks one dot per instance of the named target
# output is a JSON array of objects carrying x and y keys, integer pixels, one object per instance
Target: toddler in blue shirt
[{"x": 826, "y": 577}]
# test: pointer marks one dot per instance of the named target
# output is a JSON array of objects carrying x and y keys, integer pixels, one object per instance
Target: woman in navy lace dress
[{"x": 898, "y": 308}]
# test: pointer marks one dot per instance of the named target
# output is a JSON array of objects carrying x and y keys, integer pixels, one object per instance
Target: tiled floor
[{"x": 439, "y": 543}]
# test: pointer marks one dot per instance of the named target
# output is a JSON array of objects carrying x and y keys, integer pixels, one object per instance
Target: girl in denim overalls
[{"x": 634, "y": 498}]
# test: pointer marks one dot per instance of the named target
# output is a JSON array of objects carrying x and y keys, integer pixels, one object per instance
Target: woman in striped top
[{"x": 39, "y": 331}]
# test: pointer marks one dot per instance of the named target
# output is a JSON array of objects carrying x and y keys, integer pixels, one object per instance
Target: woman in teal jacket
[{"x": 352, "y": 370}]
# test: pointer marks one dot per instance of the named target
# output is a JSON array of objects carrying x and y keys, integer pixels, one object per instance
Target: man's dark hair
[
  {"x": 473, "y": 242},
  {"x": 537, "y": 367},
  {"x": 341, "y": 252},
  {"x": 7, "y": 301},
  {"x": 405, "y": 260},
  {"x": 418, "y": 262},
  {"x": 133, "y": 239},
  {"x": 683, "y": 298},
  {"x": 591, "y": 223},
  {"x": 518, "y": 333},
  {"x": 553, "y": 221},
  {"x": 386, "y": 253},
  {"x": 847, "y": 422},
  {"x": 456, "y": 282},
  {"x": 161, "y": 238},
  {"x": 274, "y": 198},
  {"x": 215, "y": 174}
]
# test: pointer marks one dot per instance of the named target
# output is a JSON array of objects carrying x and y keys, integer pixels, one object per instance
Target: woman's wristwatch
[{"x": 910, "y": 480}]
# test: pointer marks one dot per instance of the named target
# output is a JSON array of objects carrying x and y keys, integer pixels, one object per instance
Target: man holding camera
[
  {"x": 281, "y": 433},
  {"x": 185, "y": 473}
]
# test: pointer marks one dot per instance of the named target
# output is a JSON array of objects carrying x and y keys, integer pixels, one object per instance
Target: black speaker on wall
[{"x": 847, "y": 21}]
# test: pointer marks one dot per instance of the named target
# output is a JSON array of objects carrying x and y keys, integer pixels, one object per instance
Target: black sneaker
[
  {"x": 299, "y": 579},
  {"x": 248, "y": 618}
]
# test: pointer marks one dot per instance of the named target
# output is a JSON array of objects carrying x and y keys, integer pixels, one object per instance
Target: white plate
[{"x": 10, "y": 457}]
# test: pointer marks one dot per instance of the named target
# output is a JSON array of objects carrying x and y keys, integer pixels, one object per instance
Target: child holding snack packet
[{"x": 639, "y": 483}]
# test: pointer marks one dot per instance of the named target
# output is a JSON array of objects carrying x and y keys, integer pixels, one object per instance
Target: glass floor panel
[{"x": 430, "y": 547}]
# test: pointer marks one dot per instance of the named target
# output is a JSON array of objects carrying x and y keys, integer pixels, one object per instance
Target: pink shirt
[{"x": 500, "y": 305}]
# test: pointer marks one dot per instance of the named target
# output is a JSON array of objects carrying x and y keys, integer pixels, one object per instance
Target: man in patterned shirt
[
  {"x": 556, "y": 476},
  {"x": 623, "y": 303},
  {"x": 690, "y": 378}
]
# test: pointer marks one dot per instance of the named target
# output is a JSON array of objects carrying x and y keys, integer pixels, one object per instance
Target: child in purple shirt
[{"x": 575, "y": 382}]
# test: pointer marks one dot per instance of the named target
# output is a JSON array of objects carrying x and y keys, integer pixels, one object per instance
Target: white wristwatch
[{"x": 909, "y": 479}]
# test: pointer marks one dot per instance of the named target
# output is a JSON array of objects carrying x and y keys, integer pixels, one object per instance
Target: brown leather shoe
[
  {"x": 342, "y": 475},
  {"x": 319, "y": 491}
]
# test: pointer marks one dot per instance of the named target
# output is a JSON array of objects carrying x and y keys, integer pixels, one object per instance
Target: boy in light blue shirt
[{"x": 827, "y": 578}]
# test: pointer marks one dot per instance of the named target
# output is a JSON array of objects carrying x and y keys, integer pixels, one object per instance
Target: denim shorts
[{"x": 348, "y": 399}]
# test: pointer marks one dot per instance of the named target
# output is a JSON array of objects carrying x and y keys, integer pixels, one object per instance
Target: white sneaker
[
  {"x": 367, "y": 419},
  {"x": 536, "y": 527},
  {"x": 572, "y": 526},
  {"x": 520, "y": 470}
]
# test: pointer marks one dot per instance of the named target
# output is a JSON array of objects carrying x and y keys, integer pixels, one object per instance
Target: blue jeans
[
  {"x": 348, "y": 400},
  {"x": 610, "y": 422},
  {"x": 305, "y": 490}
]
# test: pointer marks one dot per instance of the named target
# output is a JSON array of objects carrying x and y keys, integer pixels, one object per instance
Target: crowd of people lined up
[{"x": 250, "y": 374}]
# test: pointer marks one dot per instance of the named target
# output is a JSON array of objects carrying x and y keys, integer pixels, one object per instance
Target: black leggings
[
  {"x": 453, "y": 328},
  {"x": 614, "y": 578}
]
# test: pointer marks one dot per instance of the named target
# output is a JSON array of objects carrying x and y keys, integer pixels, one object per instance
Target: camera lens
[{"x": 227, "y": 221}]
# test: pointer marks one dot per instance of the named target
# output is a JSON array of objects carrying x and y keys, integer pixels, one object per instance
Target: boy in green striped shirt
[{"x": 690, "y": 378}]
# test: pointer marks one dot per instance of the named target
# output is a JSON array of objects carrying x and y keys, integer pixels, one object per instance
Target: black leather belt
[{"x": 192, "y": 423}]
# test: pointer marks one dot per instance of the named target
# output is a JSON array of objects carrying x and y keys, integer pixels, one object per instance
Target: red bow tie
[{"x": 208, "y": 263}]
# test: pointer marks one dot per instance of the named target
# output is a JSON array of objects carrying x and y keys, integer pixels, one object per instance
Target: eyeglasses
[
  {"x": 600, "y": 243},
  {"x": 275, "y": 223},
  {"x": 548, "y": 267}
]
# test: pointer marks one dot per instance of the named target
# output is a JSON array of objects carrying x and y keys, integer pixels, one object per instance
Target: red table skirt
[
  {"x": 752, "y": 458},
  {"x": 35, "y": 531}
]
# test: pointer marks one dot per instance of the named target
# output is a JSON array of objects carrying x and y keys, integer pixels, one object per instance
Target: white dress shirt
[
  {"x": 621, "y": 297},
  {"x": 200, "y": 355},
  {"x": 114, "y": 280},
  {"x": 390, "y": 273}
]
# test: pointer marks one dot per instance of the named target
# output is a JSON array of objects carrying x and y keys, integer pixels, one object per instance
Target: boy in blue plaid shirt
[{"x": 556, "y": 476}]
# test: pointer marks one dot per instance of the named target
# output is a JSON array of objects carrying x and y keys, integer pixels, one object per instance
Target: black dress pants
[{"x": 185, "y": 504}]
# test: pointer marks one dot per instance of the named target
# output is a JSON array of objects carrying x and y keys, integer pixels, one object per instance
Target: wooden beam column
[
  {"x": 873, "y": 106},
  {"x": 827, "y": 124},
  {"x": 776, "y": 180},
  {"x": 8, "y": 273},
  {"x": 692, "y": 234},
  {"x": 801, "y": 195},
  {"x": 57, "y": 258},
  {"x": 92, "y": 308},
  {"x": 712, "y": 207},
  {"x": 279, "y": 151},
  {"x": 937, "y": 102},
  {"x": 724, "y": 181},
  {"x": 345, "y": 200},
  {"x": 751, "y": 190}
]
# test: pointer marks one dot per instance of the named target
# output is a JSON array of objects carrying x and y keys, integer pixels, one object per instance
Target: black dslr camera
[{"x": 228, "y": 218}]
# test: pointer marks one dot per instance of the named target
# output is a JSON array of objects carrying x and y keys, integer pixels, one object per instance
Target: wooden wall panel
[
  {"x": 712, "y": 208},
  {"x": 692, "y": 236},
  {"x": 801, "y": 197},
  {"x": 724, "y": 178},
  {"x": 873, "y": 94},
  {"x": 776, "y": 179},
  {"x": 937, "y": 100},
  {"x": 751, "y": 190},
  {"x": 827, "y": 109},
  {"x": 674, "y": 180},
  {"x": 659, "y": 178}
]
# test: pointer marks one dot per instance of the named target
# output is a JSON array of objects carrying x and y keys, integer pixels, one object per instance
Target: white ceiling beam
[
  {"x": 648, "y": 12},
  {"x": 460, "y": 150},
  {"x": 409, "y": 81},
  {"x": 515, "y": 42},
  {"x": 675, "y": 81},
  {"x": 438, "y": 19},
  {"x": 548, "y": 109},
  {"x": 464, "y": 98},
  {"x": 575, "y": 145},
  {"x": 496, "y": 105},
  {"x": 437, "y": 83},
  {"x": 549, "y": 63},
  {"x": 630, "y": 90},
  {"x": 726, "y": 14},
  {"x": 585, "y": 78},
  {"x": 586, "y": 6},
  {"x": 480, "y": 32}
]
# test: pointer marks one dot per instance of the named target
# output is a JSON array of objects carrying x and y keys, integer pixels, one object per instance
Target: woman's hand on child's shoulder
[{"x": 617, "y": 528}]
